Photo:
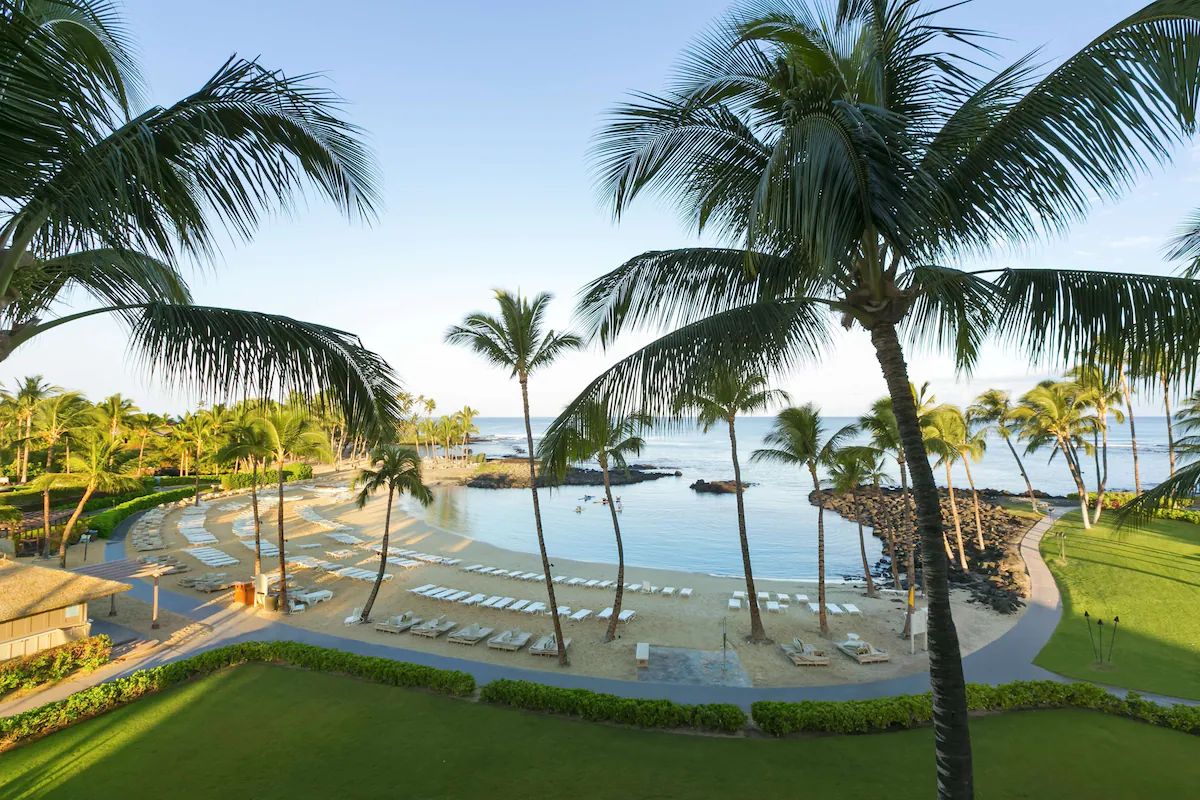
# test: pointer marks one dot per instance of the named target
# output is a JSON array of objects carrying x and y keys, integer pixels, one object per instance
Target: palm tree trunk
[
  {"x": 952, "y": 734},
  {"x": 862, "y": 548},
  {"x": 49, "y": 456},
  {"x": 25, "y": 448},
  {"x": 962, "y": 554},
  {"x": 46, "y": 521},
  {"x": 283, "y": 598},
  {"x": 66, "y": 534},
  {"x": 611, "y": 633},
  {"x": 141, "y": 452},
  {"x": 1101, "y": 473},
  {"x": 975, "y": 499},
  {"x": 812, "y": 468},
  {"x": 885, "y": 519},
  {"x": 1024, "y": 474},
  {"x": 909, "y": 531},
  {"x": 67, "y": 450},
  {"x": 756, "y": 627},
  {"x": 254, "y": 511},
  {"x": 537, "y": 521},
  {"x": 383, "y": 555},
  {"x": 1137, "y": 477},
  {"x": 196, "y": 501},
  {"x": 1079, "y": 486},
  {"x": 1170, "y": 428}
]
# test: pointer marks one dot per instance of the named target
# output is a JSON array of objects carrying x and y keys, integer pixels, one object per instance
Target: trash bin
[
  {"x": 243, "y": 592},
  {"x": 271, "y": 603}
]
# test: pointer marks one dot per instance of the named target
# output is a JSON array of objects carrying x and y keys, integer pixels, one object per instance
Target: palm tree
[
  {"x": 290, "y": 434},
  {"x": 141, "y": 193},
  {"x": 874, "y": 465},
  {"x": 399, "y": 469},
  {"x": 143, "y": 427},
  {"x": 848, "y": 474},
  {"x": 430, "y": 427},
  {"x": 98, "y": 467},
  {"x": 1125, "y": 394},
  {"x": 993, "y": 410},
  {"x": 880, "y": 423},
  {"x": 55, "y": 417},
  {"x": 31, "y": 392},
  {"x": 594, "y": 435},
  {"x": 1104, "y": 398},
  {"x": 725, "y": 395},
  {"x": 466, "y": 417},
  {"x": 847, "y": 153},
  {"x": 518, "y": 341},
  {"x": 1052, "y": 416},
  {"x": 194, "y": 430},
  {"x": 116, "y": 412},
  {"x": 250, "y": 441},
  {"x": 798, "y": 438},
  {"x": 945, "y": 433}
]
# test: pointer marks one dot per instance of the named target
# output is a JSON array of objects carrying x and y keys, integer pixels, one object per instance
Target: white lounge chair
[
  {"x": 685, "y": 593},
  {"x": 520, "y": 605},
  {"x": 581, "y": 615},
  {"x": 605, "y": 615},
  {"x": 626, "y": 615},
  {"x": 833, "y": 608},
  {"x": 642, "y": 654},
  {"x": 850, "y": 608},
  {"x": 772, "y": 607},
  {"x": 575, "y": 582},
  {"x": 668, "y": 591},
  {"x": 504, "y": 602},
  {"x": 473, "y": 600},
  {"x": 491, "y": 601},
  {"x": 564, "y": 611},
  {"x": 739, "y": 595},
  {"x": 634, "y": 587},
  {"x": 764, "y": 597},
  {"x": 784, "y": 600},
  {"x": 534, "y": 608},
  {"x": 472, "y": 568},
  {"x": 591, "y": 584},
  {"x": 814, "y": 608},
  {"x": 354, "y": 618},
  {"x": 423, "y": 589},
  {"x": 605, "y": 584},
  {"x": 735, "y": 605}
]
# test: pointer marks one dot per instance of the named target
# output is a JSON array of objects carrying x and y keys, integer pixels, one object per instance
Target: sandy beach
[{"x": 665, "y": 621}]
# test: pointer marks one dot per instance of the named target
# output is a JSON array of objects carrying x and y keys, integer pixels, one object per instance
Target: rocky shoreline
[
  {"x": 717, "y": 487},
  {"x": 995, "y": 575},
  {"x": 514, "y": 474}
]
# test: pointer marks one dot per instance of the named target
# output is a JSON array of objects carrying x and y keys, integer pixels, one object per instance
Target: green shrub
[
  {"x": 106, "y": 521},
  {"x": 55, "y": 663},
  {"x": 179, "y": 480},
  {"x": 599, "y": 707},
  {"x": 1118, "y": 499},
  {"x": 106, "y": 696},
  {"x": 242, "y": 480},
  {"x": 914, "y": 710},
  {"x": 104, "y": 502}
]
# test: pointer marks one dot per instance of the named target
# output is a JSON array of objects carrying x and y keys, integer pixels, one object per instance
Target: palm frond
[
  {"x": 951, "y": 312},
  {"x": 1183, "y": 486},
  {"x": 225, "y": 352},
  {"x": 1101, "y": 318},
  {"x": 1044, "y": 151}
]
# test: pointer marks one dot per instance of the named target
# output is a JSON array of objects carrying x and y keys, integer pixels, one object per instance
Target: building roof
[{"x": 26, "y": 589}]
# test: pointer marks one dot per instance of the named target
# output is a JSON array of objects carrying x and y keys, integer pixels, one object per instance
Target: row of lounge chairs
[
  {"x": 211, "y": 556},
  {"x": 208, "y": 582},
  {"x": 310, "y": 514},
  {"x": 805, "y": 655},
  {"x": 171, "y": 565},
  {"x": 509, "y": 640},
  {"x": 413, "y": 554},
  {"x": 583, "y": 583}
]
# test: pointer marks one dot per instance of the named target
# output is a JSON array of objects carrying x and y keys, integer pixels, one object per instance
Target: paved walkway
[{"x": 1009, "y": 658}]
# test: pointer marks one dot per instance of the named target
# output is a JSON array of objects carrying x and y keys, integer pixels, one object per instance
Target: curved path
[{"x": 1008, "y": 658}]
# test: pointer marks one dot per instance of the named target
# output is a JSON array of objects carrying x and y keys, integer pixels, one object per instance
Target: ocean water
[{"x": 664, "y": 524}]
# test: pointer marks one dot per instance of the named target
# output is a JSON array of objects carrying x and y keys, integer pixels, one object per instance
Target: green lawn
[
  {"x": 264, "y": 732},
  {"x": 1151, "y": 580}
]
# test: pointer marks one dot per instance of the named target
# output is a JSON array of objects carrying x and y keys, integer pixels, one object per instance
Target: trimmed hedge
[
  {"x": 598, "y": 707},
  {"x": 55, "y": 663},
  {"x": 107, "y": 696},
  {"x": 242, "y": 480},
  {"x": 916, "y": 710},
  {"x": 106, "y": 521},
  {"x": 179, "y": 480},
  {"x": 104, "y": 502},
  {"x": 31, "y": 499}
]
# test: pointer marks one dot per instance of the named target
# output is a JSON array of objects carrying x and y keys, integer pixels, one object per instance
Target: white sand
[{"x": 674, "y": 622}]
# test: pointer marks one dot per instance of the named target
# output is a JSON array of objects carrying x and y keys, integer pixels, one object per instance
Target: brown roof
[{"x": 26, "y": 589}]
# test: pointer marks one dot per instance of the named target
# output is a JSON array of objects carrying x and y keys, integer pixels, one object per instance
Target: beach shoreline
[{"x": 694, "y": 623}]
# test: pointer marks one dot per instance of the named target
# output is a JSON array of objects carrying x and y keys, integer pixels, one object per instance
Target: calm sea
[{"x": 667, "y": 525}]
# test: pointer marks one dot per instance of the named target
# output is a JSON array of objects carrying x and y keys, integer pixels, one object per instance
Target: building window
[{"x": 71, "y": 611}]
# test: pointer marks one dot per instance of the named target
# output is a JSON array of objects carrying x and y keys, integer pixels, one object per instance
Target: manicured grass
[
  {"x": 1150, "y": 578},
  {"x": 265, "y": 732}
]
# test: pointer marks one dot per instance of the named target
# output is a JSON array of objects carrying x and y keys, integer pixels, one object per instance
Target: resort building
[{"x": 42, "y": 607}]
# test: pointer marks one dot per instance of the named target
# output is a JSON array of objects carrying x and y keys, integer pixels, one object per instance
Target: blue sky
[{"x": 481, "y": 114}]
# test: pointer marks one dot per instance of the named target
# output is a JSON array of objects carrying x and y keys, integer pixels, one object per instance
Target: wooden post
[
  {"x": 112, "y": 609},
  {"x": 154, "y": 611}
]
